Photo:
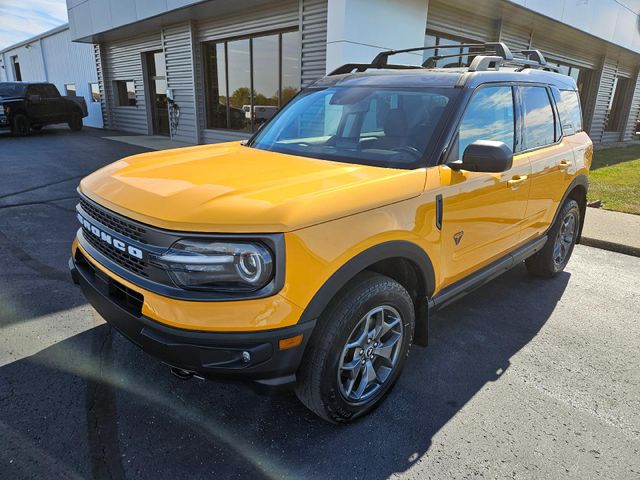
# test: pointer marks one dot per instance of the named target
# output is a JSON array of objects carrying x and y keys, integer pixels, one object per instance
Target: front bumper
[{"x": 249, "y": 355}]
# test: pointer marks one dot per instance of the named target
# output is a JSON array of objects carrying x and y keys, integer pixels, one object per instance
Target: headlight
[{"x": 218, "y": 265}]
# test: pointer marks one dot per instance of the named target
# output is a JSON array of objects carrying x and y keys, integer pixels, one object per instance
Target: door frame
[{"x": 149, "y": 92}]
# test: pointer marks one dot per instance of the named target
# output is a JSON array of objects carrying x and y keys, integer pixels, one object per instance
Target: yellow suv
[{"x": 312, "y": 255}]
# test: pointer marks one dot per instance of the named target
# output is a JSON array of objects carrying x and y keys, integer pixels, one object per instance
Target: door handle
[
  {"x": 564, "y": 164},
  {"x": 517, "y": 180}
]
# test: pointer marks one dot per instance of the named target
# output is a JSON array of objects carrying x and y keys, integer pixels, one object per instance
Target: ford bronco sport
[{"x": 312, "y": 255}]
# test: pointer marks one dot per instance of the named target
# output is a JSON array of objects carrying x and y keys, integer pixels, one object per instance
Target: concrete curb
[{"x": 611, "y": 246}]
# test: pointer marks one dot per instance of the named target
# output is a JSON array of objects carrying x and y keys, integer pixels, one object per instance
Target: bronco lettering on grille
[{"x": 108, "y": 239}]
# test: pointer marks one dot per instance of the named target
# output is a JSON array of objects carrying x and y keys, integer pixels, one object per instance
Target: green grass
[{"x": 615, "y": 179}]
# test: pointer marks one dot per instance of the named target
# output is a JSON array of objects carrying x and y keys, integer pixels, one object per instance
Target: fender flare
[
  {"x": 383, "y": 251},
  {"x": 580, "y": 180}
]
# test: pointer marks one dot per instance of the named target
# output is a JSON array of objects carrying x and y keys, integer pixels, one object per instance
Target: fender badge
[{"x": 458, "y": 236}]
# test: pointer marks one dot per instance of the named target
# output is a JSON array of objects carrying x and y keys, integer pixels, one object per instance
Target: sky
[{"x": 22, "y": 19}]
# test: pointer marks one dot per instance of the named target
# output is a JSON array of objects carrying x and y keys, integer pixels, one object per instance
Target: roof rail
[
  {"x": 498, "y": 48},
  {"x": 361, "y": 67},
  {"x": 534, "y": 59},
  {"x": 492, "y": 56},
  {"x": 485, "y": 62}
]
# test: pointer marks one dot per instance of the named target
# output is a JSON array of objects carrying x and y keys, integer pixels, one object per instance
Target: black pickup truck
[{"x": 26, "y": 106}]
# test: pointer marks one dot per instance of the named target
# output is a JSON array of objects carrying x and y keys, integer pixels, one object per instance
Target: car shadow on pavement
[{"x": 95, "y": 406}]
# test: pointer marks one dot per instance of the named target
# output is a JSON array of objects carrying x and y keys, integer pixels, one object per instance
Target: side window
[
  {"x": 538, "y": 123},
  {"x": 38, "y": 90},
  {"x": 489, "y": 116},
  {"x": 50, "y": 91},
  {"x": 569, "y": 109}
]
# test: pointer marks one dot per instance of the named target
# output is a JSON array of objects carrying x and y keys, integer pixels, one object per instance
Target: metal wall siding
[
  {"x": 516, "y": 37},
  {"x": 603, "y": 97},
  {"x": 264, "y": 19},
  {"x": 123, "y": 61},
  {"x": 445, "y": 18},
  {"x": 177, "y": 44},
  {"x": 97, "y": 50},
  {"x": 313, "y": 26},
  {"x": 629, "y": 132},
  {"x": 564, "y": 51}
]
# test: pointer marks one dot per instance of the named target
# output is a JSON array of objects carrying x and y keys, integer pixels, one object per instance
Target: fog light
[
  {"x": 290, "y": 342},
  {"x": 246, "y": 357}
]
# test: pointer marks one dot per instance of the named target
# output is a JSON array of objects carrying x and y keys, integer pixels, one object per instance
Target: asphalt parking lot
[{"x": 524, "y": 378}]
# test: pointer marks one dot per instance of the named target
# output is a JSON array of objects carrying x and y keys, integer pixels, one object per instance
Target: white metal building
[
  {"x": 229, "y": 64},
  {"x": 53, "y": 57}
]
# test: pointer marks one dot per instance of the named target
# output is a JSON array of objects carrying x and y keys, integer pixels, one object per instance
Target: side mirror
[
  {"x": 485, "y": 156},
  {"x": 34, "y": 98}
]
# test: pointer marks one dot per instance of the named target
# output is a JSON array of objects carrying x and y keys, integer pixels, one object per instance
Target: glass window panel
[
  {"x": 239, "y": 73},
  {"x": 70, "y": 89},
  {"x": 538, "y": 128},
  {"x": 447, "y": 51},
  {"x": 290, "y": 65},
  {"x": 489, "y": 116},
  {"x": 126, "y": 93},
  {"x": 359, "y": 125},
  {"x": 216, "y": 86},
  {"x": 429, "y": 40},
  {"x": 265, "y": 78},
  {"x": 569, "y": 110},
  {"x": 95, "y": 92},
  {"x": 160, "y": 76}
]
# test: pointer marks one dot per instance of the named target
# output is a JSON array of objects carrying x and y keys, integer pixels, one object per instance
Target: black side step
[{"x": 477, "y": 279}]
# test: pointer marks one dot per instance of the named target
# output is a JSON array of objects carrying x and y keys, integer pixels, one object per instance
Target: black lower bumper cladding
[{"x": 239, "y": 355}]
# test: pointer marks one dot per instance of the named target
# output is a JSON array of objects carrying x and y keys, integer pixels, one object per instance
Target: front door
[
  {"x": 157, "y": 92},
  {"x": 483, "y": 213}
]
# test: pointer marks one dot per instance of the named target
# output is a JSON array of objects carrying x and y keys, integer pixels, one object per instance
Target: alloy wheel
[
  {"x": 371, "y": 354},
  {"x": 564, "y": 239}
]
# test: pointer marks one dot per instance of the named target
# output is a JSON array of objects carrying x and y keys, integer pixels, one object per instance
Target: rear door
[
  {"x": 59, "y": 108},
  {"x": 483, "y": 213},
  {"x": 550, "y": 154}
]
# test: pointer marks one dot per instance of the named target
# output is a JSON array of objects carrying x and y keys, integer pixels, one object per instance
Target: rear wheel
[
  {"x": 75, "y": 122},
  {"x": 562, "y": 237},
  {"x": 20, "y": 126},
  {"x": 358, "y": 349}
]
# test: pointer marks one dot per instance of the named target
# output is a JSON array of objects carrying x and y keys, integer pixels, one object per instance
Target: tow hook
[{"x": 181, "y": 373}]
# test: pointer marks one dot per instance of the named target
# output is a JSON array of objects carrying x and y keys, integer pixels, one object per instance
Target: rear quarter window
[{"x": 569, "y": 109}]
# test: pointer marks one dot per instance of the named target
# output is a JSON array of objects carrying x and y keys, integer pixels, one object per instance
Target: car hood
[{"x": 232, "y": 188}]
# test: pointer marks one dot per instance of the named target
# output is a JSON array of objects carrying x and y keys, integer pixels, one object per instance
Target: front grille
[
  {"x": 132, "y": 264},
  {"x": 116, "y": 224}
]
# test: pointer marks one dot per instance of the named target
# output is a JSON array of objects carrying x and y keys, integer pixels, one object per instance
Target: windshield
[
  {"x": 388, "y": 127},
  {"x": 11, "y": 89}
]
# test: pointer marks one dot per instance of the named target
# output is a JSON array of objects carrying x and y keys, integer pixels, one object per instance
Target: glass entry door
[{"x": 157, "y": 82}]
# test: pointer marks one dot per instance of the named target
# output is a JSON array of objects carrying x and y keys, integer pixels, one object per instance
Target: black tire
[
  {"x": 553, "y": 258},
  {"x": 20, "y": 125},
  {"x": 75, "y": 122},
  {"x": 320, "y": 378}
]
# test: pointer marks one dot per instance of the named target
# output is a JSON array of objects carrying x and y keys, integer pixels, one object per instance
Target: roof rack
[{"x": 492, "y": 56}]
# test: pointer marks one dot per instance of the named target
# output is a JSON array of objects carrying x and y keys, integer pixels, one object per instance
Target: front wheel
[
  {"x": 358, "y": 349},
  {"x": 562, "y": 237},
  {"x": 75, "y": 122},
  {"x": 20, "y": 126}
]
